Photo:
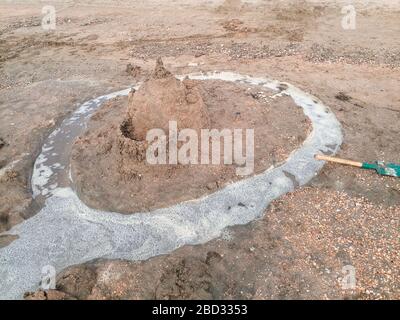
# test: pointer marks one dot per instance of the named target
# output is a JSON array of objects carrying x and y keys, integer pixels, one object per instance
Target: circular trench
[{"x": 67, "y": 232}]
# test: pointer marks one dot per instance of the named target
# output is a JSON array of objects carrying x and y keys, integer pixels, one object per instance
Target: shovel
[{"x": 384, "y": 169}]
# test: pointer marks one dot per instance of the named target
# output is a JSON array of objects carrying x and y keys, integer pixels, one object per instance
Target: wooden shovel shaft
[{"x": 338, "y": 160}]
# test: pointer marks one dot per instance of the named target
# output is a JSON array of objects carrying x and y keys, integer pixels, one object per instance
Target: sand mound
[
  {"x": 109, "y": 165},
  {"x": 163, "y": 98}
]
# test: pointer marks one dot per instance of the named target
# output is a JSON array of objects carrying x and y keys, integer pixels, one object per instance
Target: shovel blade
[
  {"x": 384, "y": 169},
  {"x": 390, "y": 169}
]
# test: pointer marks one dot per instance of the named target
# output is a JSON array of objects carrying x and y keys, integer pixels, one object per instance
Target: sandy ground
[{"x": 298, "y": 250}]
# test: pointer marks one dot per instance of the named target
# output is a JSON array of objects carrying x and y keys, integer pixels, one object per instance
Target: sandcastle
[
  {"x": 163, "y": 98},
  {"x": 109, "y": 161}
]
